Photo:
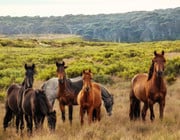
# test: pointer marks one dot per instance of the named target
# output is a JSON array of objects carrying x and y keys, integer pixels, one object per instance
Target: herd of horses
[{"x": 23, "y": 101}]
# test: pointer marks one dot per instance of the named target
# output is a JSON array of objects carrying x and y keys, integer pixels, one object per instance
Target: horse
[
  {"x": 89, "y": 98},
  {"x": 65, "y": 94},
  {"x": 35, "y": 106},
  {"x": 149, "y": 88},
  {"x": 50, "y": 88},
  {"x": 13, "y": 99}
]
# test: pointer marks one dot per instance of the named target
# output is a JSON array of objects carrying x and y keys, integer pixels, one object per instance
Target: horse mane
[
  {"x": 42, "y": 102},
  {"x": 107, "y": 97},
  {"x": 151, "y": 69}
]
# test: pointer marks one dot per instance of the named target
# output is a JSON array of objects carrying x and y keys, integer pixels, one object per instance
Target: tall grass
[{"x": 118, "y": 126}]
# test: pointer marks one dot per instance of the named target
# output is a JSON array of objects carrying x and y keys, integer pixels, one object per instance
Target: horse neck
[
  {"x": 24, "y": 84},
  {"x": 85, "y": 96},
  {"x": 157, "y": 81},
  {"x": 62, "y": 87},
  {"x": 65, "y": 88}
]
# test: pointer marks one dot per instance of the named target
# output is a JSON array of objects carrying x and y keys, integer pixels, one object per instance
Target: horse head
[
  {"x": 108, "y": 103},
  {"x": 157, "y": 65},
  {"x": 87, "y": 76},
  {"x": 29, "y": 75},
  {"x": 61, "y": 71}
]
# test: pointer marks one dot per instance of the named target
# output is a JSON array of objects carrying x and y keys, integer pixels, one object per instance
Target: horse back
[
  {"x": 28, "y": 101},
  {"x": 138, "y": 86},
  {"x": 12, "y": 97}
]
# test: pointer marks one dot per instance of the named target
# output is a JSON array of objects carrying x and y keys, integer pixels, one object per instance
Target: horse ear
[
  {"x": 65, "y": 67},
  {"x": 25, "y": 66},
  {"x": 63, "y": 63},
  {"x": 162, "y": 52},
  {"x": 83, "y": 71},
  {"x": 57, "y": 64},
  {"x": 33, "y": 65},
  {"x": 90, "y": 70},
  {"x": 155, "y": 53}
]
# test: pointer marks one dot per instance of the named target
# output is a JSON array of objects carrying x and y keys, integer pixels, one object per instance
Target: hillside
[{"x": 128, "y": 27}]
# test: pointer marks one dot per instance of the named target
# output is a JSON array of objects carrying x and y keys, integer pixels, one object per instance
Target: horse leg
[
  {"x": 41, "y": 120},
  {"x": 81, "y": 115},
  {"x": 98, "y": 113},
  {"x": 94, "y": 115},
  {"x": 7, "y": 118},
  {"x": 90, "y": 113},
  {"x": 30, "y": 124},
  {"x": 161, "y": 108},
  {"x": 144, "y": 110},
  {"x": 27, "y": 122},
  {"x": 17, "y": 122},
  {"x": 151, "y": 110},
  {"x": 70, "y": 113},
  {"x": 131, "y": 111},
  {"x": 62, "y": 108},
  {"x": 36, "y": 122},
  {"x": 22, "y": 122}
]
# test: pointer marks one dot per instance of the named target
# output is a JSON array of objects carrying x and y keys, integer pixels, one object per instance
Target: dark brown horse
[
  {"x": 89, "y": 98},
  {"x": 66, "y": 94},
  {"x": 36, "y": 106},
  {"x": 14, "y": 98},
  {"x": 149, "y": 88}
]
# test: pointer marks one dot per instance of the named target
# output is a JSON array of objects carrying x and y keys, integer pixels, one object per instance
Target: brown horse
[
  {"x": 65, "y": 95},
  {"x": 36, "y": 106},
  {"x": 89, "y": 98},
  {"x": 14, "y": 98},
  {"x": 149, "y": 88}
]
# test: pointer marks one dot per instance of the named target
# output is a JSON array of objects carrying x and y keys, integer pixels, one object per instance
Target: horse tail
[
  {"x": 42, "y": 102},
  {"x": 8, "y": 116},
  {"x": 137, "y": 108},
  {"x": 134, "y": 112}
]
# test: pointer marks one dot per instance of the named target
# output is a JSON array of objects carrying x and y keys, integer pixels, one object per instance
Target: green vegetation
[{"x": 105, "y": 59}]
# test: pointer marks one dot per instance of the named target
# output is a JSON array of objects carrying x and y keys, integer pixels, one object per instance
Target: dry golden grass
[{"x": 115, "y": 127}]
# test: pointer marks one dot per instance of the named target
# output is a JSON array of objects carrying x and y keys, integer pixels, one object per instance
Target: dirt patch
[{"x": 172, "y": 55}]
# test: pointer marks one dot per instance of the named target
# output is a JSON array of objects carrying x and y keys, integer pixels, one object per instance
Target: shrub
[{"x": 103, "y": 79}]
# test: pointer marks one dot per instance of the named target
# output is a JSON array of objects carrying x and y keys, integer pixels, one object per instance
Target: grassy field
[
  {"x": 113, "y": 64},
  {"x": 116, "y": 126}
]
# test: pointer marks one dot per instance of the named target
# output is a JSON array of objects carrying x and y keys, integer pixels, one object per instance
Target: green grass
[{"x": 104, "y": 58}]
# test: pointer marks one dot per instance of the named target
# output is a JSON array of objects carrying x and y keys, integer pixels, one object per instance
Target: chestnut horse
[
  {"x": 149, "y": 88},
  {"x": 14, "y": 98},
  {"x": 89, "y": 98},
  {"x": 66, "y": 94}
]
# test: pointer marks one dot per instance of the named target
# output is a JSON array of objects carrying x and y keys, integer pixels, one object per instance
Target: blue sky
[{"x": 63, "y": 7}]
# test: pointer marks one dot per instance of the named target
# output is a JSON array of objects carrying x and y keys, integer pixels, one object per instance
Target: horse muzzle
[
  {"x": 159, "y": 73},
  {"x": 61, "y": 81},
  {"x": 87, "y": 89}
]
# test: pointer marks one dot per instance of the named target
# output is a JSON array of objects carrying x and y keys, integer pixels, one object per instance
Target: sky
[{"x": 87, "y": 7}]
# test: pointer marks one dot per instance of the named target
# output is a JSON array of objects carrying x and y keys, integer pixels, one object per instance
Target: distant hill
[{"x": 128, "y": 27}]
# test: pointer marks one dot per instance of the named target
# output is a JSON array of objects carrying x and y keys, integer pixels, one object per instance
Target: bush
[
  {"x": 103, "y": 79},
  {"x": 173, "y": 67}
]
